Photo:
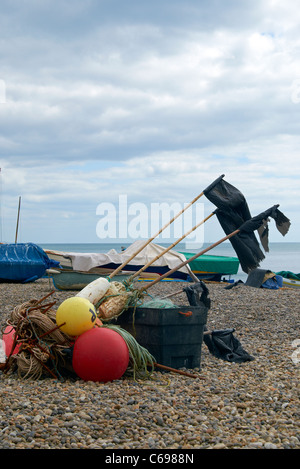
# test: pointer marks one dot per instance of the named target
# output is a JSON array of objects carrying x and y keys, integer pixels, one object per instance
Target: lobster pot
[{"x": 173, "y": 335}]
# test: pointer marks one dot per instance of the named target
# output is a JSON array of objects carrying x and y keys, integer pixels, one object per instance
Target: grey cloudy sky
[{"x": 152, "y": 100}]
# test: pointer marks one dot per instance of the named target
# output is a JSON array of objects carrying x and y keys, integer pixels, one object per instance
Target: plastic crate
[{"x": 172, "y": 335}]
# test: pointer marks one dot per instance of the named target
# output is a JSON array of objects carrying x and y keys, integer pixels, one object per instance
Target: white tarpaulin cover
[{"x": 87, "y": 261}]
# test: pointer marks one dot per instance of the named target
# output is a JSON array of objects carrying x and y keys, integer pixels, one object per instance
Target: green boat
[{"x": 213, "y": 267}]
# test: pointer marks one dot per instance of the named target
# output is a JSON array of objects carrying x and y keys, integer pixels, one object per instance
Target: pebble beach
[{"x": 225, "y": 405}]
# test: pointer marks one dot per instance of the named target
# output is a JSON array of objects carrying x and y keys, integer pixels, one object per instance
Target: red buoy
[
  {"x": 100, "y": 354},
  {"x": 8, "y": 339}
]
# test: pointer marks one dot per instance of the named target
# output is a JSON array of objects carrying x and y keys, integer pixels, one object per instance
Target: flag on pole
[
  {"x": 260, "y": 223},
  {"x": 233, "y": 213},
  {"x": 229, "y": 200}
]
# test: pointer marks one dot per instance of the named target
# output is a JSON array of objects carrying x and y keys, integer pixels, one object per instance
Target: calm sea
[{"x": 282, "y": 256}]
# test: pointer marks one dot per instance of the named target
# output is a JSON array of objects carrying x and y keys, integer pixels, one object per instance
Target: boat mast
[{"x": 18, "y": 218}]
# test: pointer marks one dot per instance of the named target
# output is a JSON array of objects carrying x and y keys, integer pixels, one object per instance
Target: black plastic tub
[{"x": 172, "y": 335}]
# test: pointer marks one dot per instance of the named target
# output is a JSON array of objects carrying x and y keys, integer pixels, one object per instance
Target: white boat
[
  {"x": 289, "y": 282},
  {"x": 78, "y": 269},
  {"x": 290, "y": 279},
  {"x": 105, "y": 263}
]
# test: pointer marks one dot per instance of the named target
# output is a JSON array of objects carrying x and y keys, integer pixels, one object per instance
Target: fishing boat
[
  {"x": 78, "y": 269},
  {"x": 68, "y": 279},
  {"x": 290, "y": 279},
  {"x": 289, "y": 282},
  {"x": 23, "y": 262},
  {"x": 210, "y": 267}
]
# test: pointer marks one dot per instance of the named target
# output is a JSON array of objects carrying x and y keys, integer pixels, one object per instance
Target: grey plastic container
[{"x": 172, "y": 335}]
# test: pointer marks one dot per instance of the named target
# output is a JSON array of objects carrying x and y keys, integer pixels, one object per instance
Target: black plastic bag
[{"x": 221, "y": 343}]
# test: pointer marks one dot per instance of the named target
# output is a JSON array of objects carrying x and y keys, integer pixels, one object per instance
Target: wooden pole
[
  {"x": 171, "y": 246},
  {"x": 170, "y": 272},
  {"x": 174, "y": 370},
  {"x": 164, "y": 227},
  {"x": 153, "y": 237}
]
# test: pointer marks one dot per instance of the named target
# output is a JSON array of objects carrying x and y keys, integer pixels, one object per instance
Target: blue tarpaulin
[
  {"x": 273, "y": 283},
  {"x": 23, "y": 262}
]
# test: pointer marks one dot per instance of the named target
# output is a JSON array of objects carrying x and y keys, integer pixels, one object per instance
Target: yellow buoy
[{"x": 76, "y": 315}]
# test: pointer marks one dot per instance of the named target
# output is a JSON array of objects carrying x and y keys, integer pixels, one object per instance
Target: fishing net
[
  {"x": 114, "y": 301},
  {"x": 158, "y": 303},
  {"x": 118, "y": 298},
  {"x": 121, "y": 296}
]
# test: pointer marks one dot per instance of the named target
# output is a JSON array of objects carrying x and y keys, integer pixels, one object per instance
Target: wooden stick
[
  {"x": 172, "y": 294},
  {"x": 49, "y": 306},
  {"x": 52, "y": 330},
  {"x": 165, "y": 226},
  {"x": 44, "y": 297},
  {"x": 174, "y": 370},
  {"x": 153, "y": 237},
  {"x": 171, "y": 246},
  {"x": 34, "y": 308},
  {"x": 190, "y": 260}
]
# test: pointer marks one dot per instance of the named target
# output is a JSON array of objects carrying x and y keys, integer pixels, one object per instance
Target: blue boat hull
[{"x": 24, "y": 262}]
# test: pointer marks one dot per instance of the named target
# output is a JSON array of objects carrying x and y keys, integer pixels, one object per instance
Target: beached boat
[
  {"x": 290, "y": 279},
  {"x": 288, "y": 282},
  {"x": 68, "y": 279},
  {"x": 23, "y": 262},
  {"x": 134, "y": 259},
  {"x": 102, "y": 264},
  {"x": 212, "y": 267},
  {"x": 79, "y": 269}
]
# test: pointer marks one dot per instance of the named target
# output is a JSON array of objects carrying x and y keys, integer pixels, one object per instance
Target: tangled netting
[
  {"x": 118, "y": 298},
  {"x": 121, "y": 296},
  {"x": 41, "y": 343}
]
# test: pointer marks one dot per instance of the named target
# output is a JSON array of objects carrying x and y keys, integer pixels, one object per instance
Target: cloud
[{"x": 153, "y": 100}]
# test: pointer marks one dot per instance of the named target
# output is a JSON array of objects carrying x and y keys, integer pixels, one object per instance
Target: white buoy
[{"x": 95, "y": 290}]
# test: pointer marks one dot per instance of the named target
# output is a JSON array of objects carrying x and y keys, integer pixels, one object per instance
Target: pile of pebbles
[{"x": 250, "y": 405}]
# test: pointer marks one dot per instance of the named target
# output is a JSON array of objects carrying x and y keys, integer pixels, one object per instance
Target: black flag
[
  {"x": 282, "y": 223},
  {"x": 260, "y": 223},
  {"x": 228, "y": 199},
  {"x": 233, "y": 212}
]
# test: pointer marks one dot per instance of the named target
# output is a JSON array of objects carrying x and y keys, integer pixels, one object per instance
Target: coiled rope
[{"x": 41, "y": 343}]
